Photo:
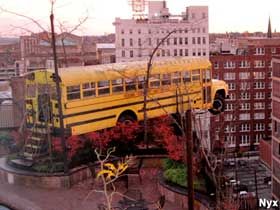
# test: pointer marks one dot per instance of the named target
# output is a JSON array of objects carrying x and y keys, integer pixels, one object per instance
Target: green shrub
[
  {"x": 176, "y": 175},
  {"x": 168, "y": 163}
]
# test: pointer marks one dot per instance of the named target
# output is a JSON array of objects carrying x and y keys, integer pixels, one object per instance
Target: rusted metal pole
[{"x": 58, "y": 95}]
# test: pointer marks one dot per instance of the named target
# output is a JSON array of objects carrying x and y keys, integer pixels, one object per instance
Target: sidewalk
[{"x": 79, "y": 197}]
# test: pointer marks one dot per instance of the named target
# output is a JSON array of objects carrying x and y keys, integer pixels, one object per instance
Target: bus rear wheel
[{"x": 218, "y": 105}]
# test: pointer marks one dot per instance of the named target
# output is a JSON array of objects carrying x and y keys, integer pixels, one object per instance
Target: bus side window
[
  {"x": 73, "y": 92},
  {"x": 166, "y": 79},
  {"x": 155, "y": 81},
  {"x": 130, "y": 84},
  {"x": 89, "y": 89},
  {"x": 206, "y": 75},
  {"x": 117, "y": 85},
  {"x": 103, "y": 87},
  {"x": 186, "y": 76},
  {"x": 176, "y": 78},
  {"x": 196, "y": 75},
  {"x": 141, "y": 82}
]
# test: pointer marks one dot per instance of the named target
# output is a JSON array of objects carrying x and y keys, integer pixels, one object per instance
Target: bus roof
[{"x": 77, "y": 74}]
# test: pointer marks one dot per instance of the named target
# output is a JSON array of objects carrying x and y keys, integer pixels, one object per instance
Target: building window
[
  {"x": 244, "y": 96},
  {"x": 259, "y": 95},
  {"x": 130, "y": 31},
  {"x": 122, "y": 31},
  {"x": 204, "y": 52},
  {"x": 244, "y": 64},
  {"x": 244, "y": 127},
  {"x": 203, "y": 15},
  {"x": 259, "y": 75},
  {"x": 131, "y": 53},
  {"x": 175, "y": 41},
  {"x": 259, "y": 51},
  {"x": 245, "y": 139},
  {"x": 193, "y": 40},
  {"x": 245, "y": 106},
  {"x": 149, "y": 31},
  {"x": 193, "y": 52},
  {"x": 259, "y": 85},
  {"x": 168, "y": 52},
  {"x": 244, "y": 86},
  {"x": 259, "y": 127},
  {"x": 244, "y": 75},
  {"x": 181, "y": 52},
  {"x": 230, "y": 129},
  {"x": 229, "y": 65},
  {"x": 273, "y": 50},
  {"x": 228, "y": 117},
  {"x": 203, "y": 40},
  {"x": 175, "y": 52},
  {"x": 168, "y": 41},
  {"x": 123, "y": 53},
  {"x": 231, "y": 140},
  {"x": 229, "y": 76},
  {"x": 180, "y": 40},
  {"x": 203, "y": 30},
  {"x": 186, "y": 52},
  {"x": 232, "y": 96},
  {"x": 231, "y": 86},
  {"x": 229, "y": 107},
  {"x": 259, "y": 116},
  {"x": 139, "y": 42},
  {"x": 139, "y": 31},
  {"x": 259, "y": 105},
  {"x": 186, "y": 30},
  {"x": 259, "y": 64},
  {"x": 216, "y": 65},
  {"x": 258, "y": 137},
  {"x": 244, "y": 116},
  {"x": 198, "y": 40},
  {"x": 123, "y": 42},
  {"x": 131, "y": 42}
]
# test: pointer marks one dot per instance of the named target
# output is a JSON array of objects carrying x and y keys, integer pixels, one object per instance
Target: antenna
[{"x": 138, "y": 8}]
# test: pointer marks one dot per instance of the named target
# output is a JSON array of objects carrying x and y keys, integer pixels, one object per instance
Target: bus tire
[{"x": 218, "y": 105}]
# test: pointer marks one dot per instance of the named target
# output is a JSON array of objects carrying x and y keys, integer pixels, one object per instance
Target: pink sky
[{"x": 224, "y": 15}]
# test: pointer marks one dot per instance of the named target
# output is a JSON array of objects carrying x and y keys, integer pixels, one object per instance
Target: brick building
[
  {"x": 247, "y": 117},
  {"x": 72, "y": 50},
  {"x": 276, "y": 130},
  {"x": 136, "y": 38}
]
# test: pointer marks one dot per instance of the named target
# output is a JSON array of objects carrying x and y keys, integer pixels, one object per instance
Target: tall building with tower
[{"x": 151, "y": 21}]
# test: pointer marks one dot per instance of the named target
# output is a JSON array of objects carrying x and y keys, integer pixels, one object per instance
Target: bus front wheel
[
  {"x": 126, "y": 119},
  {"x": 218, "y": 105}
]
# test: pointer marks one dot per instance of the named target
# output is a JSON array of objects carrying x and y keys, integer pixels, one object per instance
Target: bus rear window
[
  {"x": 89, "y": 89},
  {"x": 103, "y": 87},
  {"x": 117, "y": 85},
  {"x": 206, "y": 75},
  {"x": 195, "y": 75},
  {"x": 130, "y": 84},
  {"x": 73, "y": 92}
]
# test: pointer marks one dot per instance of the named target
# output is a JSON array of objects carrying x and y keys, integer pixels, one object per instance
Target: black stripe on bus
[
  {"x": 90, "y": 121},
  {"x": 123, "y": 105},
  {"x": 163, "y": 106}
]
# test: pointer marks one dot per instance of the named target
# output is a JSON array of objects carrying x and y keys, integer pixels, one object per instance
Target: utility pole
[
  {"x": 58, "y": 94},
  {"x": 189, "y": 156}
]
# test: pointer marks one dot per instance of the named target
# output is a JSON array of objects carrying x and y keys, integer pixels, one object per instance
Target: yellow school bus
[{"x": 97, "y": 97}]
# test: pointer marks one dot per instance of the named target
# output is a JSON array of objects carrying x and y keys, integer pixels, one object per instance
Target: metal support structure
[
  {"x": 58, "y": 94},
  {"x": 189, "y": 157}
]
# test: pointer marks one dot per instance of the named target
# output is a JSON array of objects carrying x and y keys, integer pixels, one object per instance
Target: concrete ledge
[
  {"x": 180, "y": 197},
  {"x": 11, "y": 175}
]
